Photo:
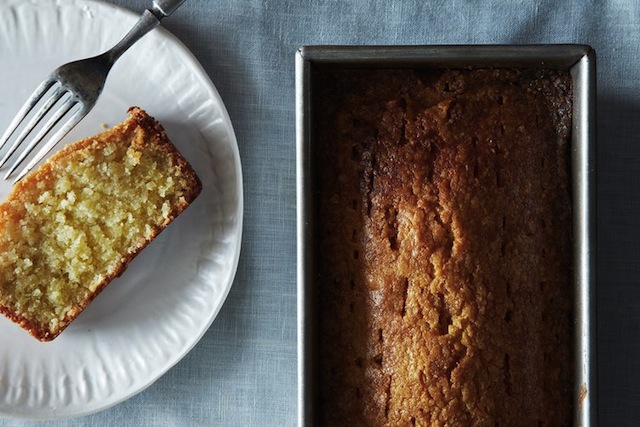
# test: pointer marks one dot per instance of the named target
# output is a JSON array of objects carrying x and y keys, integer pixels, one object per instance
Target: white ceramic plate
[{"x": 149, "y": 318}]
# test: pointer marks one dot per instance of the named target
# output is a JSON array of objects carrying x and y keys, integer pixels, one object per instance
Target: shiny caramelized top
[{"x": 445, "y": 279}]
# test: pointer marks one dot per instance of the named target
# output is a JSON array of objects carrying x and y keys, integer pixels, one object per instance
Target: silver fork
[{"x": 73, "y": 87}]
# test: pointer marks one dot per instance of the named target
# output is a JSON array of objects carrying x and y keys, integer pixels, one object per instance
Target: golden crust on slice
[{"x": 74, "y": 224}]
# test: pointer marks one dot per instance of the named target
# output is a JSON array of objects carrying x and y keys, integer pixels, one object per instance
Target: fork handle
[
  {"x": 147, "y": 22},
  {"x": 166, "y": 7}
]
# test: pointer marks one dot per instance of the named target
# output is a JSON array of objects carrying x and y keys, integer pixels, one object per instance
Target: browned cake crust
[
  {"x": 142, "y": 134},
  {"x": 445, "y": 279}
]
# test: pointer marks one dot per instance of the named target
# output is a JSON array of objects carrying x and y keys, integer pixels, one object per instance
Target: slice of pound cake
[{"x": 74, "y": 224}]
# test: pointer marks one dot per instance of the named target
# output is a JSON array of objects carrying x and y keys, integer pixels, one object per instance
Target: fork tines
[{"x": 51, "y": 93}]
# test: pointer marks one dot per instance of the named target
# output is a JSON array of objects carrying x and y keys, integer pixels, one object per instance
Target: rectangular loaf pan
[{"x": 580, "y": 60}]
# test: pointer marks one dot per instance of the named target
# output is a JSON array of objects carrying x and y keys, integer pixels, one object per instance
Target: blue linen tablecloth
[{"x": 243, "y": 371}]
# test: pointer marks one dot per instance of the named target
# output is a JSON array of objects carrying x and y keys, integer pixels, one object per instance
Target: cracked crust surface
[
  {"x": 75, "y": 223},
  {"x": 445, "y": 281}
]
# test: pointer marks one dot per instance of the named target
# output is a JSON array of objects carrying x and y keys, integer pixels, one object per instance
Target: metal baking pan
[{"x": 580, "y": 60}]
